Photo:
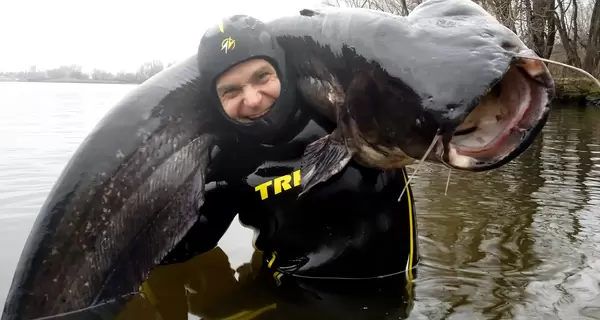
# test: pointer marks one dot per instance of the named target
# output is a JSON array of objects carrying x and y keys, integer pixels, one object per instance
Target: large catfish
[
  {"x": 127, "y": 196},
  {"x": 448, "y": 77},
  {"x": 135, "y": 186}
]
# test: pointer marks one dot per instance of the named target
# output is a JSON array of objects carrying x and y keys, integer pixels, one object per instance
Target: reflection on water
[
  {"x": 41, "y": 125},
  {"x": 521, "y": 242},
  {"x": 208, "y": 288}
]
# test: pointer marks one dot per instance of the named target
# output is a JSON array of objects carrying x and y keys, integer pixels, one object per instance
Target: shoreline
[
  {"x": 580, "y": 91},
  {"x": 73, "y": 81}
]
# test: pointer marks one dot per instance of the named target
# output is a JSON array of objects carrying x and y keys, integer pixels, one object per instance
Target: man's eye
[
  {"x": 264, "y": 76},
  {"x": 228, "y": 92}
]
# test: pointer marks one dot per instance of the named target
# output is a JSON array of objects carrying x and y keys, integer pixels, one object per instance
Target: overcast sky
[{"x": 115, "y": 34}]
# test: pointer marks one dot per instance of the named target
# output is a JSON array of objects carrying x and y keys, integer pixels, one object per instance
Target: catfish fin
[{"x": 322, "y": 159}]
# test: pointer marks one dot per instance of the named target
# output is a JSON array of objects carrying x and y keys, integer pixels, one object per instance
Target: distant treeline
[{"x": 74, "y": 73}]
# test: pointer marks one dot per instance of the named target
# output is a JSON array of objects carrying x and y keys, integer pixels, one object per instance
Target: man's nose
[{"x": 252, "y": 97}]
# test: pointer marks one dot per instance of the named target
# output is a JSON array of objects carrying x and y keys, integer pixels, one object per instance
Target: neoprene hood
[{"x": 237, "y": 39}]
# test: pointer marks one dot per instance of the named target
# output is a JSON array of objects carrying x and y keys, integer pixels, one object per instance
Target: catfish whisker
[
  {"x": 435, "y": 139},
  {"x": 448, "y": 182},
  {"x": 563, "y": 65}
]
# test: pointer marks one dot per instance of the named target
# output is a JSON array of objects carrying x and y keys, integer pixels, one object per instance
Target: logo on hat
[{"x": 227, "y": 44}]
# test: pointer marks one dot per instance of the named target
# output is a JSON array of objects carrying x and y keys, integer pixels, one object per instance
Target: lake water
[{"x": 521, "y": 242}]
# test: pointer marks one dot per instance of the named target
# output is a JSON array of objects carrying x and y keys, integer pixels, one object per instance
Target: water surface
[{"x": 521, "y": 242}]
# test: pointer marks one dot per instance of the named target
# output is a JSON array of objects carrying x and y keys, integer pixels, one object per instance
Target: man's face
[{"x": 248, "y": 90}]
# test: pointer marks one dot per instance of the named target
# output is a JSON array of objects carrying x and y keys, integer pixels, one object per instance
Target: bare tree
[
  {"x": 575, "y": 24},
  {"x": 542, "y": 26},
  {"x": 503, "y": 10},
  {"x": 149, "y": 69},
  {"x": 592, "y": 46},
  {"x": 568, "y": 29}
]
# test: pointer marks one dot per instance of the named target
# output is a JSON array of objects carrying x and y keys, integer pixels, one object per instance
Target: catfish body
[
  {"x": 438, "y": 57},
  {"x": 393, "y": 84},
  {"x": 127, "y": 196},
  {"x": 135, "y": 186}
]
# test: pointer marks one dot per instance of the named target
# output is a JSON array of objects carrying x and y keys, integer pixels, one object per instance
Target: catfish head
[
  {"x": 449, "y": 84},
  {"x": 497, "y": 118},
  {"x": 504, "y": 122}
]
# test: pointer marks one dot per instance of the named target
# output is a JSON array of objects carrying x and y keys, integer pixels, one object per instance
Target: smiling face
[{"x": 248, "y": 90}]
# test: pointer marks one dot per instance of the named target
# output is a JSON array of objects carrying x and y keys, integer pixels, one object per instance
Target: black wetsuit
[
  {"x": 313, "y": 248},
  {"x": 353, "y": 226}
]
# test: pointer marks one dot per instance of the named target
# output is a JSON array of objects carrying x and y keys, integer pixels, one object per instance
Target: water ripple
[
  {"x": 520, "y": 242},
  {"x": 520, "y": 238},
  {"x": 41, "y": 126}
]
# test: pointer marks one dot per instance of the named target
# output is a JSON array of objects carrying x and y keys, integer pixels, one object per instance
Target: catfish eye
[{"x": 508, "y": 46}]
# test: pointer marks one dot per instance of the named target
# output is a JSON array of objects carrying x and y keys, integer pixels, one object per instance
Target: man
[
  {"x": 344, "y": 233},
  {"x": 355, "y": 219}
]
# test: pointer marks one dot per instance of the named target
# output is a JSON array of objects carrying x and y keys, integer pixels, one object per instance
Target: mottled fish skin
[
  {"x": 404, "y": 80},
  {"x": 127, "y": 196},
  {"x": 134, "y": 187},
  {"x": 326, "y": 96},
  {"x": 439, "y": 59}
]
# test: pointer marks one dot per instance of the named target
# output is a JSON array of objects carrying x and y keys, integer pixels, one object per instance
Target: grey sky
[{"x": 115, "y": 34}]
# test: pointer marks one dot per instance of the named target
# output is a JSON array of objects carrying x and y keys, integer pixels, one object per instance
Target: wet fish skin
[
  {"x": 127, "y": 196},
  {"x": 394, "y": 83},
  {"x": 438, "y": 65}
]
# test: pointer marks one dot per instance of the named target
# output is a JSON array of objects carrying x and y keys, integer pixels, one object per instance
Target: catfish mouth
[{"x": 505, "y": 122}]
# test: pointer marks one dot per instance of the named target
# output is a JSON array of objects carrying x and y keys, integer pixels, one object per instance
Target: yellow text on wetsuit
[{"x": 279, "y": 184}]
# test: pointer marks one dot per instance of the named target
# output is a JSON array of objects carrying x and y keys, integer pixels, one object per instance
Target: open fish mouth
[{"x": 505, "y": 122}]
